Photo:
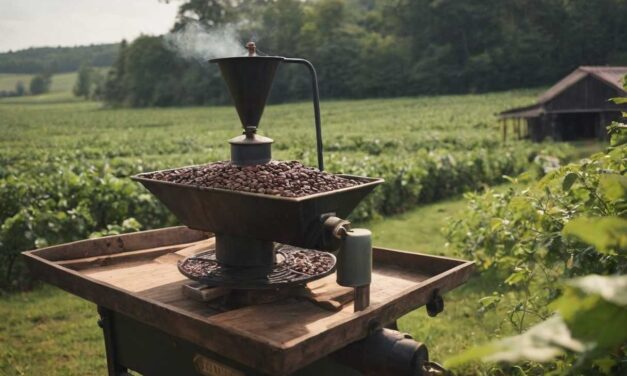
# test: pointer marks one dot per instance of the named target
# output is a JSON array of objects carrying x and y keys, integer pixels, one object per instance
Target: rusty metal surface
[{"x": 296, "y": 221}]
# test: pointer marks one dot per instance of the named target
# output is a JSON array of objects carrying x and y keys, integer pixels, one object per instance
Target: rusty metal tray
[{"x": 136, "y": 275}]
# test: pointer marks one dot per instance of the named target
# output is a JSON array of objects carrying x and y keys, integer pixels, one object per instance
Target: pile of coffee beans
[
  {"x": 199, "y": 267},
  {"x": 279, "y": 178},
  {"x": 311, "y": 263}
]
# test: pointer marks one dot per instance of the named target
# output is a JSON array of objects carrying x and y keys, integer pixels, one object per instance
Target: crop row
[{"x": 68, "y": 197}]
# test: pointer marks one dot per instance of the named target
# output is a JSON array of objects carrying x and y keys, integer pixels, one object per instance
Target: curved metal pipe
[{"x": 316, "y": 104}]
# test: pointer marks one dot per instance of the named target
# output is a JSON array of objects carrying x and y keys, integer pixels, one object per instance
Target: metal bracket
[
  {"x": 436, "y": 304},
  {"x": 333, "y": 228}
]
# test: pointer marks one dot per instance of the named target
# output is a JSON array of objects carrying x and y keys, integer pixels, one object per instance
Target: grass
[{"x": 49, "y": 332}]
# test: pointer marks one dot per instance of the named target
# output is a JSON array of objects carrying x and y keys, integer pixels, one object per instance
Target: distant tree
[
  {"x": 207, "y": 12},
  {"x": 20, "y": 89},
  {"x": 83, "y": 85},
  {"x": 40, "y": 84},
  {"x": 146, "y": 74},
  {"x": 113, "y": 91},
  {"x": 97, "y": 85}
]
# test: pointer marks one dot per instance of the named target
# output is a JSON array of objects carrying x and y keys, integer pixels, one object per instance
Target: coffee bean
[{"x": 281, "y": 178}]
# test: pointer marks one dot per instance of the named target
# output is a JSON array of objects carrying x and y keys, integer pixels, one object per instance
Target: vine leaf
[
  {"x": 595, "y": 309},
  {"x": 591, "y": 317},
  {"x": 613, "y": 187},
  {"x": 606, "y": 234},
  {"x": 541, "y": 343},
  {"x": 569, "y": 180}
]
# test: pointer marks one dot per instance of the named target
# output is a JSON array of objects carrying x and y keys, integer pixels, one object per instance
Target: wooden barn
[{"x": 577, "y": 107}]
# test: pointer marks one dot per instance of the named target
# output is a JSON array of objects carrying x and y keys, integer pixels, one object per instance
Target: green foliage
[
  {"x": 20, "y": 89},
  {"x": 591, "y": 322},
  {"x": 513, "y": 230},
  {"x": 83, "y": 85},
  {"x": 76, "y": 201},
  {"x": 147, "y": 73},
  {"x": 40, "y": 84},
  {"x": 572, "y": 222},
  {"x": 607, "y": 234}
]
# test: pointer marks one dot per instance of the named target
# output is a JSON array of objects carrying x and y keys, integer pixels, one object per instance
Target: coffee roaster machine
[{"x": 251, "y": 312}]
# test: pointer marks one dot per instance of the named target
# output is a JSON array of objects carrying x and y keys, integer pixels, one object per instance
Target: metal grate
[{"x": 293, "y": 266}]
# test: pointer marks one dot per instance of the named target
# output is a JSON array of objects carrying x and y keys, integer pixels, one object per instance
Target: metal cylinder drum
[
  {"x": 250, "y": 149},
  {"x": 354, "y": 260},
  {"x": 385, "y": 352},
  {"x": 244, "y": 252}
]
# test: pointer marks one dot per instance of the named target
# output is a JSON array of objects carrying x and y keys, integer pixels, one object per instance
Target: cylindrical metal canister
[
  {"x": 354, "y": 260},
  {"x": 250, "y": 149}
]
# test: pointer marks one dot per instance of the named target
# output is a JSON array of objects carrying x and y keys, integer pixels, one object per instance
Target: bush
[
  {"x": 571, "y": 223},
  {"x": 40, "y": 84}
]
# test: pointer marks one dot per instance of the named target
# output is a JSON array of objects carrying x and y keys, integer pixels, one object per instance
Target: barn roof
[{"x": 612, "y": 76}]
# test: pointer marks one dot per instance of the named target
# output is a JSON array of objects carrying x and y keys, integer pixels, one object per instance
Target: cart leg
[{"x": 106, "y": 323}]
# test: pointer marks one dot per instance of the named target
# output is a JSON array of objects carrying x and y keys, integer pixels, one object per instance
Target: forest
[
  {"x": 374, "y": 48},
  {"x": 361, "y": 48}
]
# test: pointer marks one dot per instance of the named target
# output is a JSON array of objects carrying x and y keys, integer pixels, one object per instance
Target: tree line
[
  {"x": 57, "y": 59},
  {"x": 377, "y": 48}
]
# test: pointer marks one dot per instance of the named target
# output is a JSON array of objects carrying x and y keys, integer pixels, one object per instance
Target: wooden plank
[
  {"x": 118, "y": 258},
  {"x": 279, "y": 338},
  {"x": 426, "y": 265},
  {"x": 120, "y": 243}
]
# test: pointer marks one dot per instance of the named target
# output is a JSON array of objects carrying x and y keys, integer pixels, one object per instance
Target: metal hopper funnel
[
  {"x": 249, "y": 80},
  {"x": 236, "y": 215}
]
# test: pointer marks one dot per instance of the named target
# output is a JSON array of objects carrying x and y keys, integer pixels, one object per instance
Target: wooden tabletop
[{"x": 136, "y": 275}]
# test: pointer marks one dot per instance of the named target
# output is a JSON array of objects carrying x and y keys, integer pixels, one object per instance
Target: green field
[
  {"x": 428, "y": 149},
  {"x": 62, "y": 82}
]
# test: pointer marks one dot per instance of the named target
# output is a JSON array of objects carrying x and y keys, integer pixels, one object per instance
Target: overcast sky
[{"x": 36, "y": 23}]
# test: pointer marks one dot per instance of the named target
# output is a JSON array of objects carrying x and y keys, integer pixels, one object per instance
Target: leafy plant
[
  {"x": 587, "y": 332},
  {"x": 572, "y": 222}
]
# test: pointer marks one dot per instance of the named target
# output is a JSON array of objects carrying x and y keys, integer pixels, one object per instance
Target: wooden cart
[{"x": 152, "y": 327}]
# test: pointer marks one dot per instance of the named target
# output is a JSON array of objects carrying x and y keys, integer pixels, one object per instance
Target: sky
[{"x": 37, "y": 23}]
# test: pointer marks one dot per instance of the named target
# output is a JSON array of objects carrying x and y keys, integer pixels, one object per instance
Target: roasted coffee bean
[{"x": 278, "y": 178}]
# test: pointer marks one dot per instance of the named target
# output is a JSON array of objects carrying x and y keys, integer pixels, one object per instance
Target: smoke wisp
[{"x": 194, "y": 41}]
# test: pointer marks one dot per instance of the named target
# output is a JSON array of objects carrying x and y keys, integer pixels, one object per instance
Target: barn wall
[{"x": 587, "y": 94}]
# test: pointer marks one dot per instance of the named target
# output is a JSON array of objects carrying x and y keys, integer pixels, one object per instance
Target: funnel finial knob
[{"x": 252, "y": 49}]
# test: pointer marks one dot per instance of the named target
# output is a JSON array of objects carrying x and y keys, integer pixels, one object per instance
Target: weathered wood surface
[{"x": 277, "y": 338}]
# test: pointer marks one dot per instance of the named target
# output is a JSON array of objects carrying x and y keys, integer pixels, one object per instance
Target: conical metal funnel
[{"x": 249, "y": 79}]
